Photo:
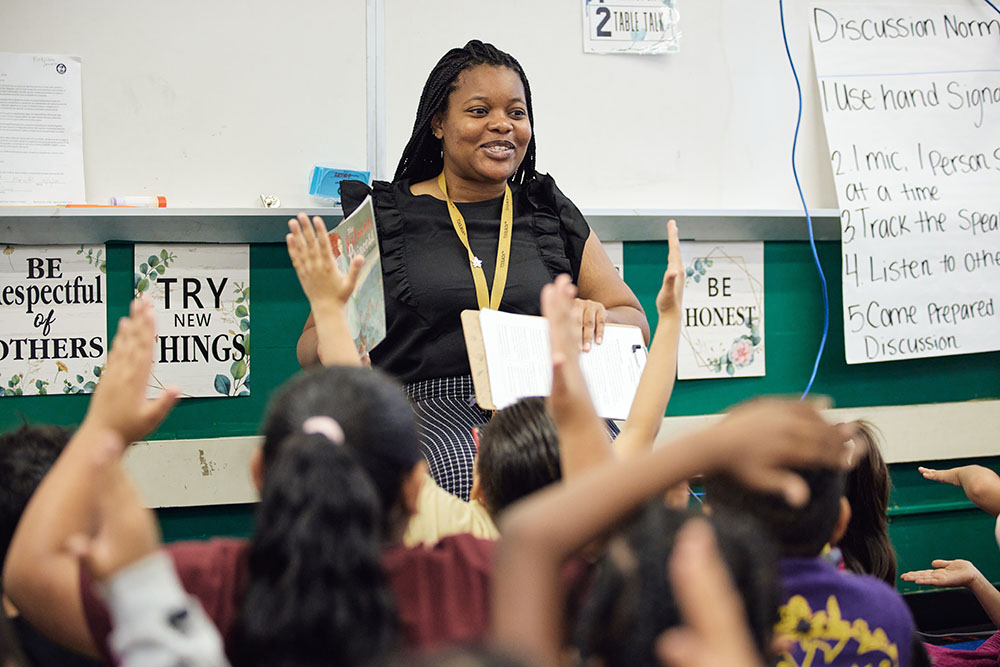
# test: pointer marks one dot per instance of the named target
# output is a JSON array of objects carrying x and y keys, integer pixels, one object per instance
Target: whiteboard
[
  {"x": 708, "y": 128},
  {"x": 208, "y": 103},
  {"x": 214, "y": 103}
]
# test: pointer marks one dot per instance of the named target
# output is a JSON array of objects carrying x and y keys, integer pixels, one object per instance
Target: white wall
[
  {"x": 209, "y": 103},
  {"x": 708, "y": 128},
  {"x": 213, "y": 103}
]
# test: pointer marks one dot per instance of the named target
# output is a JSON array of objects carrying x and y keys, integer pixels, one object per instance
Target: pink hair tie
[{"x": 327, "y": 426}]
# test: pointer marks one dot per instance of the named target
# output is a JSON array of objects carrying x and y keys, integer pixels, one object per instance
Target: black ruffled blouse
[{"x": 426, "y": 272}]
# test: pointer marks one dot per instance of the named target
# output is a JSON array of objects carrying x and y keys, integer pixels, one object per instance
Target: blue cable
[{"x": 809, "y": 222}]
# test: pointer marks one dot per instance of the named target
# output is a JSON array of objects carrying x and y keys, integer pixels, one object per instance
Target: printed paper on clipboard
[{"x": 519, "y": 360}]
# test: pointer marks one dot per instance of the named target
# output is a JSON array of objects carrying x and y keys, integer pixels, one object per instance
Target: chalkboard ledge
[{"x": 48, "y": 225}]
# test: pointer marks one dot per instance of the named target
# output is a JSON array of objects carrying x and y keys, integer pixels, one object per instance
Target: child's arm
[
  {"x": 715, "y": 630},
  {"x": 40, "y": 575},
  {"x": 583, "y": 437},
  {"x": 327, "y": 289},
  {"x": 755, "y": 443},
  {"x": 981, "y": 485},
  {"x": 960, "y": 574},
  {"x": 155, "y": 622},
  {"x": 657, "y": 381}
]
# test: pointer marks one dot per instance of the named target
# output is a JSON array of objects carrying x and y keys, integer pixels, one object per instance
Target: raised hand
[
  {"x": 947, "y": 476},
  {"x": 321, "y": 279},
  {"x": 657, "y": 382},
  {"x": 559, "y": 309},
  {"x": 760, "y": 440},
  {"x": 946, "y": 574},
  {"x": 327, "y": 288},
  {"x": 670, "y": 296},
  {"x": 119, "y": 403},
  {"x": 980, "y": 484},
  {"x": 583, "y": 437}
]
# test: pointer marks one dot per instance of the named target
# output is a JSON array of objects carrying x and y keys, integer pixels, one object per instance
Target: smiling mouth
[{"x": 499, "y": 150}]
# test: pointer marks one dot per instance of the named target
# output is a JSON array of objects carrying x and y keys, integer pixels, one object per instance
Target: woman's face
[{"x": 485, "y": 130}]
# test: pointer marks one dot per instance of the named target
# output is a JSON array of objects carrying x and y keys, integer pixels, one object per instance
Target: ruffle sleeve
[
  {"x": 389, "y": 223},
  {"x": 560, "y": 228}
]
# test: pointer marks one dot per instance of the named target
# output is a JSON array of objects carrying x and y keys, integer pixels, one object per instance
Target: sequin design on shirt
[{"x": 822, "y": 636}]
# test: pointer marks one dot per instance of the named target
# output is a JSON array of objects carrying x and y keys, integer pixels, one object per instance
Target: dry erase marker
[
  {"x": 142, "y": 202},
  {"x": 99, "y": 206}
]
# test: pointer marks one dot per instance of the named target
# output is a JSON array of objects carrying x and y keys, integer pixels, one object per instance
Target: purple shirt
[{"x": 839, "y": 618}]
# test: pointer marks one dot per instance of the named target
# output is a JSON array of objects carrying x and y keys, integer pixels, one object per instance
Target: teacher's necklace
[{"x": 483, "y": 296}]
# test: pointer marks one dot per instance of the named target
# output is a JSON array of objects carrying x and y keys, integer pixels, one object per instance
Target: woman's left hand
[{"x": 590, "y": 316}]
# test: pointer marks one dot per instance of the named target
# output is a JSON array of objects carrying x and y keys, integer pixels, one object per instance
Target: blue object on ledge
[{"x": 326, "y": 181}]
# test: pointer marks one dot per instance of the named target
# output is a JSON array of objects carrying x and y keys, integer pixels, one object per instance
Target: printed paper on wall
[
  {"x": 630, "y": 26},
  {"x": 722, "y": 328},
  {"x": 911, "y": 102},
  {"x": 202, "y": 299},
  {"x": 53, "y": 308}
]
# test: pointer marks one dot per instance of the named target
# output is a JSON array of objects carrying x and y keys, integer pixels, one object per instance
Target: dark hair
[
  {"x": 518, "y": 453},
  {"x": 378, "y": 422},
  {"x": 798, "y": 531},
  {"x": 11, "y": 654},
  {"x": 632, "y": 601},
  {"x": 865, "y": 545},
  {"x": 26, "y": 455},
  {"x": 421, "y": 158},
  {"x": 456, "y": 656},
  {"x": 317, "y": 593}
]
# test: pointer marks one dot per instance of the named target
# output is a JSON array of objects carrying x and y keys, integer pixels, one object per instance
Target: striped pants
[{"x": 446, "y": 412}]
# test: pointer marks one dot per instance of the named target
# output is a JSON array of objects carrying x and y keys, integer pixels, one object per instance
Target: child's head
[
  {"x": 456, "y": 656},
  {"x": 797, "y": 531},
  {"x": 865, "y": 545},
  {"x": 377, "y": 421},
  {"x": 632, "y": 602},
  {"x": 10, "y": 650},
  {"x": 339, "y": 458},
  {"x": 26, "y": 454},
  {"x": 518, "y": 454}
]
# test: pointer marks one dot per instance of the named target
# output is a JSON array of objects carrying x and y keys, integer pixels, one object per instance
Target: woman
[{"x": 466, "y": 176}]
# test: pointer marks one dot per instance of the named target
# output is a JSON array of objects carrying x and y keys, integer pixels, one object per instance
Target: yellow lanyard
[{"x": 483, "y": 295}]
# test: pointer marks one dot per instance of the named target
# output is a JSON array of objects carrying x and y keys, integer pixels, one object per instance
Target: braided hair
[{"x": 421, "y": 158}]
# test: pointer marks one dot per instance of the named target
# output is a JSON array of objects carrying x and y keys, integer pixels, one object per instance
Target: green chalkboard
[
  {"x": 793, "y": 322},
  {"x": 927, "y": 520},
  {"x": 278, "y": 310}
]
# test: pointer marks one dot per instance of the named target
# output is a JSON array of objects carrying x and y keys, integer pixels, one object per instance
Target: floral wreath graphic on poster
[
  {"x": 743, "y": 349},
  {"x": 41, "y": 376},
  {"x": 235, "y": 312}
]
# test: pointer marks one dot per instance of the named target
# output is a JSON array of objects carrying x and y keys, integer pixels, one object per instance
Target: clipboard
[
  {"x": 476, "y": 349},
  {"x": 477, "y": 359}
]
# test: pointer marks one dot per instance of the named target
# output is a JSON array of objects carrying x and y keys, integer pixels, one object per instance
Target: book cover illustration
[{"x": 356, "y": 235}]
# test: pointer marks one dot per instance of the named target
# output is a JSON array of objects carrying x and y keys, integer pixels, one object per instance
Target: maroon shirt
[{"x": 442, "y": 592}]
